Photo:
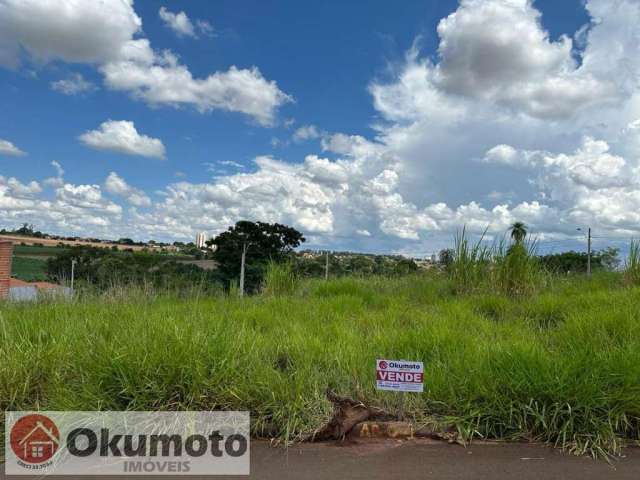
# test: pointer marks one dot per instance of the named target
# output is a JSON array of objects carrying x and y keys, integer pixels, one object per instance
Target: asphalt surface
[{"x": 417, "y": 459}]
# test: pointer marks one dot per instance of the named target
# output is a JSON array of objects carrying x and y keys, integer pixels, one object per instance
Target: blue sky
[{"x": 379, "y": 126}]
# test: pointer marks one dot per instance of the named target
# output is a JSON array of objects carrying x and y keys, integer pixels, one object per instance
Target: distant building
[
  {"x": 201, "y": 240},
  {"x": 427, "y": 263}
]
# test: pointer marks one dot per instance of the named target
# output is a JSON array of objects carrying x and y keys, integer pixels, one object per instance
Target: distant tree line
[
  {"x": 26, "y": 230},
  {"x": 104, "y": 268},
  {"x": 263, "y": 243},
  {"x": 313, "y": 264},
  {"x": 576, "y": 262}
]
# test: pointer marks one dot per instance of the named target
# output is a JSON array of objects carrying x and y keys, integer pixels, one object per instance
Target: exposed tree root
[{"x": 347, "y": 413}]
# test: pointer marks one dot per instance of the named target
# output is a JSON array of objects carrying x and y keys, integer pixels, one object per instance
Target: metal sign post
[{"x": 401, "y": 406}]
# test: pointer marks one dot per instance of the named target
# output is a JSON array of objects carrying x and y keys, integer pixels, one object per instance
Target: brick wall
[{"x": 6, "y": 252}]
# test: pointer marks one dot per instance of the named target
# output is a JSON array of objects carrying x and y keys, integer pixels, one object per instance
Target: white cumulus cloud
[
  {"x": 103, "y": 33},
  {"x": 122, "y": 137},
  {"x": 306, "y": 132},
  {"x": 73, "y": 85},
  {"x": 84, "y": 31},
  {"x": 118, "y": 186},
  {"x": 497, "y": 51},
  {"x": 541, "y": 132},
  {"x": 160, "y": 79},
  {"x": 178, "y": 22},
  {"x": 8, "y": 148}
]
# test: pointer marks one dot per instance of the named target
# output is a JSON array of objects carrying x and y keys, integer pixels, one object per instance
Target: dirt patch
[{"x": 48, "y": 242}]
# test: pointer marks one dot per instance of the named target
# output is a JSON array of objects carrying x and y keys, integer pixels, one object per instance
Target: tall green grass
[
  {"x": 562, "y": 366},
  {"x": 632, "y": 265},
  {"x": 516, "y": 269},
  {"x": 471, "y": 262},
  {"x": 279, "y": 279},
  {"x": 512, "y": 269}
]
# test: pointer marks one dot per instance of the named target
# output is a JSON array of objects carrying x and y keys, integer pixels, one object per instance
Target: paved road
[{"x": 389, "y": 459}]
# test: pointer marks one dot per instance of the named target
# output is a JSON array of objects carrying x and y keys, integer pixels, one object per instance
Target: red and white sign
[
  {"x": 399, "y": 375},
  {"x": 34, "y": 439}
]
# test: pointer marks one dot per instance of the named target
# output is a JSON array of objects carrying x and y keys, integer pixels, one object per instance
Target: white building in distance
[{"x": 201, "y": 239}]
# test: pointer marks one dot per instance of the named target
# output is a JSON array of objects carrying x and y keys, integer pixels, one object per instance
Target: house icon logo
[{"x": 34, "y": 439}]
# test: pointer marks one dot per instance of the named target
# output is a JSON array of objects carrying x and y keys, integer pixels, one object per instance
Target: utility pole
[
  {"x": 589, "y": 252},
  {"x": 73, "y": 269},
  {"x": 243, "y": 258},
  {"x": 326, "y": 265}
]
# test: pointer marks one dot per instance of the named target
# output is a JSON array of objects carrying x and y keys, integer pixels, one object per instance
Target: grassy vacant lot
[
  {"x": 29, "y": 269},
  {"x": 562, "y": 365},
  {"x": 30, "y": 261}
]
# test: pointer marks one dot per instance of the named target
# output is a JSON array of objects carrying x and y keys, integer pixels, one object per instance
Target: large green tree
[{"x": 264, "y": 242}]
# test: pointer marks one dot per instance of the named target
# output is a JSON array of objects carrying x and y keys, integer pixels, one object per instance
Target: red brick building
[{"x": 6, "y": 253}]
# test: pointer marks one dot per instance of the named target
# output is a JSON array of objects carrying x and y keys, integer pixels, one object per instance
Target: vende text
[{"x": 399, "y": 376}]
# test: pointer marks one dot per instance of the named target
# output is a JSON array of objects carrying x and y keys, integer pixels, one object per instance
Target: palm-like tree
[{"x": 518, "y": 232}]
